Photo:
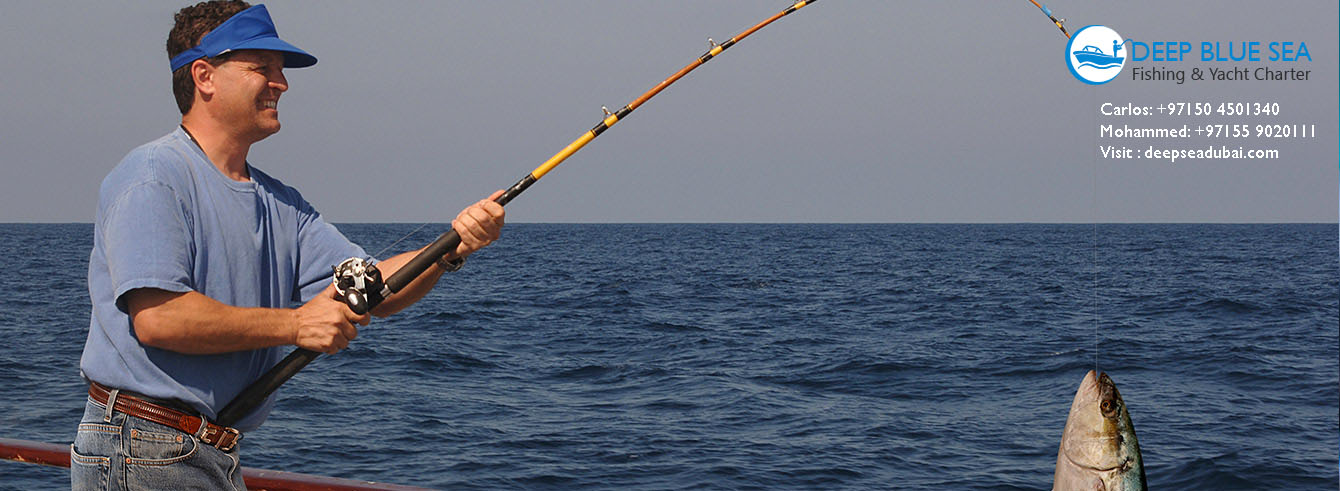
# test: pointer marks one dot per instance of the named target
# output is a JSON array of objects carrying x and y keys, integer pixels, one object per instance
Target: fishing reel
[{"x": 359, "y": 284}]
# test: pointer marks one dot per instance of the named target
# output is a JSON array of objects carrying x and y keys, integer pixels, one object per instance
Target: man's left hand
[{"x": 478, "y": 225}]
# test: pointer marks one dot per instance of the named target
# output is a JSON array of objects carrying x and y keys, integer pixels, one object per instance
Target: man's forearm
[{"x": 193, "y": 323}]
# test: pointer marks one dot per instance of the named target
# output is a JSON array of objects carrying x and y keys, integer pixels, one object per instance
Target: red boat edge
[{"x": 257, "y": 479}]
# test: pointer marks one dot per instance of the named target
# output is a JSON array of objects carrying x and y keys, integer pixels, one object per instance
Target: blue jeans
[{"x": 113, "y": 451}]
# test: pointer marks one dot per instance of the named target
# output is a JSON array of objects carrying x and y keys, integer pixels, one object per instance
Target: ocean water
[{"x": 670, "y": 356}]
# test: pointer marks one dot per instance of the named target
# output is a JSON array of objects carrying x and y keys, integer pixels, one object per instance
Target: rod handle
[
  {"x": 445, "y": 244},
  {"x": 254, "y": 394}
]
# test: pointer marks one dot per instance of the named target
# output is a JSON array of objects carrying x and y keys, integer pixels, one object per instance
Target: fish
[{"x": 1099, "y": 451}]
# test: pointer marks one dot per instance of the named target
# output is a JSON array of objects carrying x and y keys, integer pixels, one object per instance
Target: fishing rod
[
  {"x": 1048, "y": 12},
  {"x": 360, "y": 285}
]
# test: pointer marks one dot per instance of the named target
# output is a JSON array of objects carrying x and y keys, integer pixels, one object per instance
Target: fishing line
[
  {"x": 369, "y": 296},
  {"x": 1093, "y": 194},
  {"x": 401, "y": 239},
  {"x": 1093, "y": 212}
]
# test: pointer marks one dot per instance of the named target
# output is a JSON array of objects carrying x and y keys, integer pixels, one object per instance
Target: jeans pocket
[
  {"x": 88, "y": 472},
  {"x": 153, "y": 447},
  {"x": 163, "y": 459},
  {"x": 91, "y": 455}
]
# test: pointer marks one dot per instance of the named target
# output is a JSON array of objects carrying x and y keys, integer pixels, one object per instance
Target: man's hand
[
  {"x": 326, "y": 324},
  {"x": 478, "y": 225}
]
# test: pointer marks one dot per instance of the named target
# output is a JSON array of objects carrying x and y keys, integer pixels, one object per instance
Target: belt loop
[
  {"x": 111, "y": 402},
  {"x": 204, "y": 428}
]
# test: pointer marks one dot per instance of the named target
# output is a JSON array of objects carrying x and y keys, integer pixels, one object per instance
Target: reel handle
[{"x": 357, "y": 302}]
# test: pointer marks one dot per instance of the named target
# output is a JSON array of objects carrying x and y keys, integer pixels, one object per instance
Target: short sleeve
[
  {"x": 147, "y": 241},
  {"x": 321, "y": 246}
]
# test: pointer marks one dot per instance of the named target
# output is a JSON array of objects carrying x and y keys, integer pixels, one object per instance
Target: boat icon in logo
[
  {"x": 1086, "y": 58},
  {"x": 1092, "y": 56}
]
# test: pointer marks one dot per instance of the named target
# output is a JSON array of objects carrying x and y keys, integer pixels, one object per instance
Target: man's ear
[{"x": 202, "y": 73}]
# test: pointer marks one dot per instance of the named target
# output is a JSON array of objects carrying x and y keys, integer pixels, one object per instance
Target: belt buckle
[
  {"x": 221, "y": 436},
  {"x": 232, "y": 442}
]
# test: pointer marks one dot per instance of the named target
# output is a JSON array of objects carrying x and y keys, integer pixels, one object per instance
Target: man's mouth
[{"x": 271, "y": 104}]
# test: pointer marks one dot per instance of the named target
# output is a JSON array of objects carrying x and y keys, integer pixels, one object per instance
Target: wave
[{"x": 1104, "y": 66}]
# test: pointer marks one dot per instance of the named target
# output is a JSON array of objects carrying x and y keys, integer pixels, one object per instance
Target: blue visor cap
[{"x": 248, "y": 29}]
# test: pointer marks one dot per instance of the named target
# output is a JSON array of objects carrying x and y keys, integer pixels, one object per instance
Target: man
[{"x": 198, "y": 257}]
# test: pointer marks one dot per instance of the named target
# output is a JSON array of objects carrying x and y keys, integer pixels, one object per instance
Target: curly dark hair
[{"x": 191, "y": 24}]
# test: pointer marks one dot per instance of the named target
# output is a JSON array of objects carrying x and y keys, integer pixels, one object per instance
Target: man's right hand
[{"x": 325, "y": 324}]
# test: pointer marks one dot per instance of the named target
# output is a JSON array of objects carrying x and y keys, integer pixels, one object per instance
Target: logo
[{"x": 1095, "y": 54}]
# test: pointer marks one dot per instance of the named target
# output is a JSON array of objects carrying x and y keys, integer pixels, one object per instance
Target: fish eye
[{"x": 1107, "y": 405}]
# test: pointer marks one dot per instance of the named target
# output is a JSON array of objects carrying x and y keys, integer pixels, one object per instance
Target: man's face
[{"x": 248, "y": 85}]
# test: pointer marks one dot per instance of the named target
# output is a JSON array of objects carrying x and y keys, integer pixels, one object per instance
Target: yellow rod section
[{"x": 581, "y": 141}]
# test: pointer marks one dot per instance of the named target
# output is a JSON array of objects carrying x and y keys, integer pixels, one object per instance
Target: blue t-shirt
[{"x": 168, "y": 219}]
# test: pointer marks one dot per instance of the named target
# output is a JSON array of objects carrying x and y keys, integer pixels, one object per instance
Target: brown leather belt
[{"x": 220, "y": 437}]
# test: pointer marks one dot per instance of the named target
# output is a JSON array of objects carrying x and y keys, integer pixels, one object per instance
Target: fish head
[{"x": 1099, "y": 450}]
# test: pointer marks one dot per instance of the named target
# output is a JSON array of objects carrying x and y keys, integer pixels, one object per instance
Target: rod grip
[{"x": 445, "y": 244}]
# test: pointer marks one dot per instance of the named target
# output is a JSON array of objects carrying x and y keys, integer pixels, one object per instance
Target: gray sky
[{"x": 847, "y": 111}]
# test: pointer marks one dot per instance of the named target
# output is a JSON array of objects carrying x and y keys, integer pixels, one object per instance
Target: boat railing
[{"x": 256, "y": 479}]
